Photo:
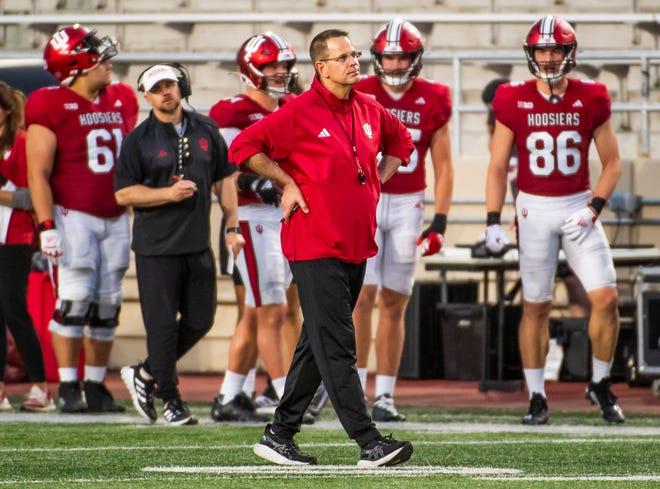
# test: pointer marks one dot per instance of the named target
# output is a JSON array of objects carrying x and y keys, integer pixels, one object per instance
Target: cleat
[
  {"x": 71, "y": 400},
  {"x": 384, "y": 410},
  {"x": 141, "y": 390},
  {"x": 176, "y": 413},
  {"x": 538, "y": 411},
  {"x": 38, "y": 401},
  {"x": 266, "y": 404},
  {"x": 240, "y": 408},
  {"x": 99, "y": 399},
  {"x": 5, "y": 406},
  {"x": 385, "y": 452},
  {"x": 318, "y": 401},
  {"x": 599, "y": 394},
  {"x": 308, "y": 417},
  {"x": 281, "y": 451}
]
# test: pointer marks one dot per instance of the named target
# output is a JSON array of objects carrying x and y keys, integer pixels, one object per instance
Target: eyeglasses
[{"x": 344, "y": 57}]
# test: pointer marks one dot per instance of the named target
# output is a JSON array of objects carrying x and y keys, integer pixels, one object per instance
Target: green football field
[{"x": 453, "y": 449}]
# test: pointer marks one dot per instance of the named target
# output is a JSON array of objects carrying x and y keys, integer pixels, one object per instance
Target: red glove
[{"x": 431, "y": 244}]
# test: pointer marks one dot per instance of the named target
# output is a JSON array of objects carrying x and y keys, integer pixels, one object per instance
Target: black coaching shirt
[{"x": 154, "y": 155}]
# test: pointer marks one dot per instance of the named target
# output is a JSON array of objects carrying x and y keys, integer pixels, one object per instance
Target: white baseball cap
[{"x": 155, "y": 74}]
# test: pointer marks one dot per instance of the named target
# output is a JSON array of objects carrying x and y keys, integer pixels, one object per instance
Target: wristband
[
  {"x": 46, "y": 225},
  {"x": 597, "y": 204},
  {"x": 439, "y": 224},
  {"x": 493, "y": 218},
  {"x": 236, "y": 230}
]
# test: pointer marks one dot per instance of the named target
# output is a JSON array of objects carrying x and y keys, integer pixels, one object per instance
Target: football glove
[
  {"x": 496, "y": 239},
  {"x": 432, "y": 237},
  {"x": 431, "y": 244},
  {"x": 51, "y": 244},
  {"x": 578, "y": 225},
  {"x": 267, "y": 191}
]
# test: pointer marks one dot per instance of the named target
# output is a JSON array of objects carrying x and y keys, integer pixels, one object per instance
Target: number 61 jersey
[
  {"x": 553, "y": 138},
  {"x": 89, "y": 137}
]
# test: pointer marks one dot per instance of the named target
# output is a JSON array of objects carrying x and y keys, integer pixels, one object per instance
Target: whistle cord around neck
[{"x": 361, "y": 176}]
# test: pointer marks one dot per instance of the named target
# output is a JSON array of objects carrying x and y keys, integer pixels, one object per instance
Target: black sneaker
[
  {"x": 385, "y": 452},
  {"x": 600, "y": 395},
  {"x": 318, "y": 401},
  {"x": 141, "y": 390},
  {"x": 176, "y": 413},
  {"x": 71, "y": 400},
  {"x": 240, "y": 408},
  {"x": 538, "y": 411},
  {"x": 281, "y": 451},
  {"x": 384, "y": 410},
  {"x": 99, "y": 399}
]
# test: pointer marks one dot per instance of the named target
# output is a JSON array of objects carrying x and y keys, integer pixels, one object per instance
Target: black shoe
[
  {"x": 384, "y": 410},
  {"x": 318, "y": 401},
  {"x": 141, "y": 390},
  {"x": 600, "y": 395},
  {"x": 176, "y": 413},
  {"x": 308, "y": 417},
  {"x": 538, "y": 411},
  {"x": 385, "y": 452},
  {"x": 240, "y": 408},
  {"x": 99, "y": 399},
  {"x": 281, "y": 451},
  {"x": 71, "y": 400}
]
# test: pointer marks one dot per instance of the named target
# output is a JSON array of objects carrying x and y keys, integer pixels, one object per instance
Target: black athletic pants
[
  {"x": 15, "y": 263},
  {"x": 178, "y": 300},
  {"x": 328, "y": 290}
]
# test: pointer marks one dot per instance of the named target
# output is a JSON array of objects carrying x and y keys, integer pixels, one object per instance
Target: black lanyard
[{"x": 351, "y": 140}]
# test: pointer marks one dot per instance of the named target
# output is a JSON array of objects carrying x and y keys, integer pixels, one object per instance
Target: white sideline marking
[
  {"x": 330, "y": 470},
  {"x": 588, "y": 478}
]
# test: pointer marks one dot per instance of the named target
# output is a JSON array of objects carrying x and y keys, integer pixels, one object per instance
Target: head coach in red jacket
[{"x": 322, "y": 149}]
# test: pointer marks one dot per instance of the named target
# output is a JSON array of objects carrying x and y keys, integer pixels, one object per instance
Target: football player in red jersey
[
  {"x": 265, "y": 63},
  {"x": 74, "y": 132},
  {"x": 424, "y": 107},
  {"x": 551, "y": 120}
]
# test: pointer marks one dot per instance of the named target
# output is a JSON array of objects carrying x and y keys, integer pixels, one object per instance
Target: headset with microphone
[{"x": 183, "y": 78}]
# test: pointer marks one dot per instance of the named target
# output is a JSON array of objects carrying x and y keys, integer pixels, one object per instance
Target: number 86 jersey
[
  {"x": 553, "y": 138},
  {"x": 89, "y": 137}
]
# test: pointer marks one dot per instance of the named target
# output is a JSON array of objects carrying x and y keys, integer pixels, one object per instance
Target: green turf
[{"x": 104, "y": 455}]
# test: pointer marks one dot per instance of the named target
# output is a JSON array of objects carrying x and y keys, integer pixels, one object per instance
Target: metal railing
[{"x": 184, "y": 22}]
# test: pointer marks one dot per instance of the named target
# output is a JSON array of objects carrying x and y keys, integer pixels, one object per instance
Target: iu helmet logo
[{"x": 524, "y": 212}]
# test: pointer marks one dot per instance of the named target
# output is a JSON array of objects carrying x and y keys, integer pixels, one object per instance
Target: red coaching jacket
[{"x": 312, "y": 139}]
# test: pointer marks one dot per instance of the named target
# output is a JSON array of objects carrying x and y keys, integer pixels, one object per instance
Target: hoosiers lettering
[
  {"x": 95, "y": 118},
  {"x": 554, "y": 119},
  {"x": 407, "y": 117}
]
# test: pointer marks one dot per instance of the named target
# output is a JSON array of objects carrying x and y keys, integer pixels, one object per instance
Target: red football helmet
[
  {"x": 75, "y": 50},
  {"x": 398, "y": 37},
  {"x": 551, "y": 31},
  {"x": 261, "y": 50}
]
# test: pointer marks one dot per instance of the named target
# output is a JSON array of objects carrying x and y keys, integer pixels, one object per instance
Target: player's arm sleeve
[{"x": 396, "y": 139}]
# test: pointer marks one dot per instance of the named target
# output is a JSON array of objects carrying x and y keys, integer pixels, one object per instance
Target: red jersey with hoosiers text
[
  {"x": 239, "y": 112},
  {"x": 423, "y": 109},
  {"x": 89, "y": 136},
  {"x": 552, "y": 138}
]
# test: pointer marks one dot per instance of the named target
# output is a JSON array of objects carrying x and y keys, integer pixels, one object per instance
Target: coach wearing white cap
[{"x": 166, "y": 170}]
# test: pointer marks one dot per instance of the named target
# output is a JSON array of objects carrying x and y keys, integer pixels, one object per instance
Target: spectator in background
[
  {"x": 321, "y": 149},
  {"x": 167, "y": 168},
  {"x": 264, "y": 64},
  {"x": 18, "y": 236},
  {"x": 73, "y": 139},
  {"x": 424, "y": 107},
  {"x": 551, "y": 120}
]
